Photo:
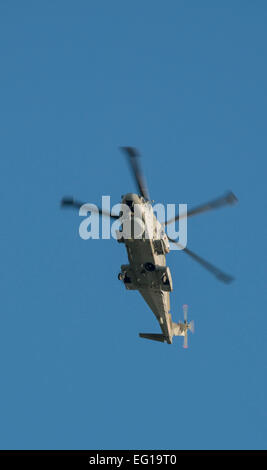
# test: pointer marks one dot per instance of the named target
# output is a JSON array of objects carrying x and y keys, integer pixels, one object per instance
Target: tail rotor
[{"x": 187, "y": 326}]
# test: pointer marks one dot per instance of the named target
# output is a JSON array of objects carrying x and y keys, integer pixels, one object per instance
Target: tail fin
[{"x": 153, "y": 336}]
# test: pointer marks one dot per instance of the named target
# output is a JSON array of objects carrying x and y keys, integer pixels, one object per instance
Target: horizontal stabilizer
[{"x": 154, "y": 336}]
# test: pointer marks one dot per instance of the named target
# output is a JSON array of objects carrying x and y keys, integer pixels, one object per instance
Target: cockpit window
[{"x": 130, "y": 204}]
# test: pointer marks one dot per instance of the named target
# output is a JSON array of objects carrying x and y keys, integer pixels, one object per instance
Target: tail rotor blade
[
  {"x": 185, "y": 340},
  {"x": 185, "y": 309},
  {"x": 191, "y": 326}
]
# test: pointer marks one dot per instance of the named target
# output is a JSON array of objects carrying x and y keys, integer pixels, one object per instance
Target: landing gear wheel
[{"x": 150, "y": 266}]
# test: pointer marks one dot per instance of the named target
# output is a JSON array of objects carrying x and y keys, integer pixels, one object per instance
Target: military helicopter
[{"x": 147, "y": 271}]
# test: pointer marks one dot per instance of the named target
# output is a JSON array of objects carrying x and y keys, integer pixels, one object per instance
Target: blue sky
[{"x": 185, "y": 82}]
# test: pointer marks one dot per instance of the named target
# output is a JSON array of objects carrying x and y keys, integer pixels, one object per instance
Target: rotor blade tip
[
  {"x": 225, "y": 278},
  {"x": 66, "y": 201},
  {"x": 231, "y": 198},
  {"x": 131, "y": 151}
]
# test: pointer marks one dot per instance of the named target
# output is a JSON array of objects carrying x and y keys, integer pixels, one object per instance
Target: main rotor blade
[
  {"x": 74, "y": 204},
  {"x": 228, "y": 198},
  {"x": 226, "y": 278},
  {"x": 133, "y": 158}
]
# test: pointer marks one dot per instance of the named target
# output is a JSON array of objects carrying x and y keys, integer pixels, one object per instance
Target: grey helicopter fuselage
[
  {"x": 147, "y": 245},
  {"x": 147, "y": 271}
]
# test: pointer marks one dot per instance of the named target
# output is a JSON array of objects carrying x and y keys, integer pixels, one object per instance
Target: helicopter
[{"x": 147, "y": 271}]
